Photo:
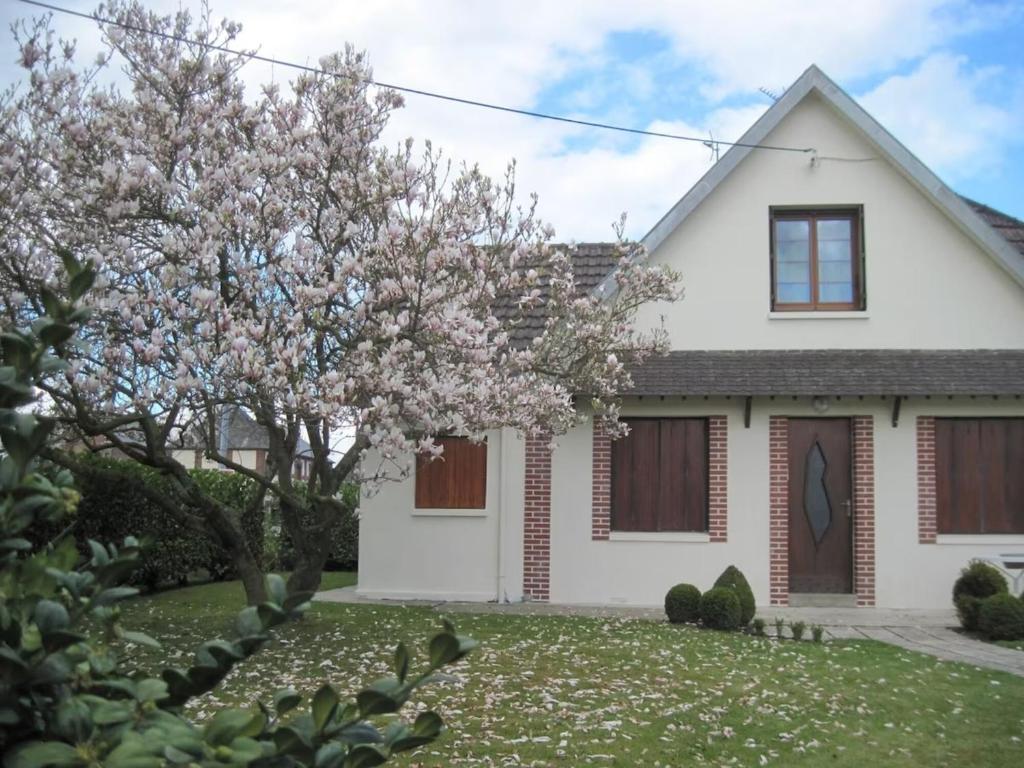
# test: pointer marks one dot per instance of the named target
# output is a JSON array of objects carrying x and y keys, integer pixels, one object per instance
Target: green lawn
[{"x": 575, "y": 691}]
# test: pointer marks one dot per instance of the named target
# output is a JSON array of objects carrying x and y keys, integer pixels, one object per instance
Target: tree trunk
[
  {"x": 228, "y": 531},
  {"x": 195, "y": 510},
  {"x": 309, "y": 565},
  {"x": 250, "y": 573},
  {"x": 309, "y": 530}
]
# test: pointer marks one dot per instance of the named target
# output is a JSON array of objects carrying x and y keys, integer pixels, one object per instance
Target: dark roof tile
[
  {"x": 832, "y": 372},
  {"x": 1011, "y": 229},
  {"x": 591, "y": 263}
]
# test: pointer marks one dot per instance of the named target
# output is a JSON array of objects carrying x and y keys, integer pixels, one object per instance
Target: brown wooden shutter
[
  {"x": 979, "y": 475},
  {"x": 635, "y": 477},
  {"x": 683, "y": 477},
  {"x": 456, "y": 480},
  {"x": 659, "y": 476}
]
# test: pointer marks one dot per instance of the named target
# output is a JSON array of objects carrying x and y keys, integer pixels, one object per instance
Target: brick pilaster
[
  {"x": 927, "y": 525},
  {"x": 778, "y": 508},
  {"x": 718, "y": 477},
  {"x": 537, "y": 520},
  {"x": 864, "y": 510},
  {"x": 601, "y": 484}
]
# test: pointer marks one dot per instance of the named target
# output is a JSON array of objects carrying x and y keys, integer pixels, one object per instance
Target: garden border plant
[
  {"x": 733, "y": 578},
  {"x": 682, "y": 604},
  {"x": 720, "y": 609},
  {"x": 977, "y": 581}
]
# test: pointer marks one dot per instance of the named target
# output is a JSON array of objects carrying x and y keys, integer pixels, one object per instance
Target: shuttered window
[
  {"x": 456, "y": 480},
  {"x": 660, "y": 476},
  {"x": 979, "y": 475}
]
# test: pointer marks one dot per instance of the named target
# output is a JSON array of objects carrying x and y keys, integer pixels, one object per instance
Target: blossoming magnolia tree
[{"x": 269, "y": 252}]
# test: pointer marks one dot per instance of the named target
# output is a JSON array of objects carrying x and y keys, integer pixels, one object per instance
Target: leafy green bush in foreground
[{"x": 64, "y": 699}]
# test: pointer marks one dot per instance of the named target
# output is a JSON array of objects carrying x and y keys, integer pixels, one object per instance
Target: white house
[
  {"x": 242, "y": 441},
  {"x": 841, "y": 416}
]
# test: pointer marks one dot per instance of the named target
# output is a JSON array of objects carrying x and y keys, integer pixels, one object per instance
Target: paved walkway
[{"x": 930, "y": 632}]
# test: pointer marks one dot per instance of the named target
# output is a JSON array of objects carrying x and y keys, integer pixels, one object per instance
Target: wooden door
[{"x": 820, "y": 506}]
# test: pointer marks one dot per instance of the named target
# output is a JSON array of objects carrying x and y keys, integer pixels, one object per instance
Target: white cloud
[
  {"x": 938, "y": 110},
  {"x": 512, "y": 51},
  {"x": 744, "y": 45}
]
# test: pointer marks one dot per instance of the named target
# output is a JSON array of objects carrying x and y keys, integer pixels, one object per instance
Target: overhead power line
[{"x": 406, "y": 89}]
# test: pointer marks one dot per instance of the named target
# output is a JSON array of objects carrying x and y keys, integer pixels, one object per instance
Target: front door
[{"x": 820, "y": 506}]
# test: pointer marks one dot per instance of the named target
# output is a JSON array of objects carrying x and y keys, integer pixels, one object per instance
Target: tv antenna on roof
[
  {"x": 712, "y": 145},
  {"x": 770, "y": 94}
]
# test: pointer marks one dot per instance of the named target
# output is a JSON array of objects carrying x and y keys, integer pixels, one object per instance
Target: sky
[{"x": 946, "y": 77}]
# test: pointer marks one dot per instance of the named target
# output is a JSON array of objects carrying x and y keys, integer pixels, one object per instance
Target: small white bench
[{"x": 1008, "y": 563}]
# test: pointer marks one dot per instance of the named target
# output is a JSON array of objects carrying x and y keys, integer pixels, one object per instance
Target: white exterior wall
[
  {"x": 626, "y": 570},
  {"x": 928, "y": 285},
  {"x": 186, "y": 457},
  {"x": 247, "y": 458},
  {"x": 912, "y": 575},
  {"x": 458, "y": 554}
]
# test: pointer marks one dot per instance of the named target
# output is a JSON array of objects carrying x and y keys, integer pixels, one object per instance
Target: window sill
[
  {"x": 989, "y": 539},
  {"x": 449, "y": 513},
  {"x": 819, "y": 315},
  {"x": 679, "y": 537}
]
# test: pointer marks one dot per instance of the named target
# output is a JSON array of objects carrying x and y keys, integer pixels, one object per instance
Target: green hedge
[
  {"x": 112, "y": 509},
  {"x": 344, "y": 553},
  {"x": 234, "y": 490}
]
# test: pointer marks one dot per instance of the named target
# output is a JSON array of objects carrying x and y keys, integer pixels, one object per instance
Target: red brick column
[
  {"x": 601, "y": 484},
  {"x": 537, "y": 520},
  {"x": 718, "y": 477},
  {"x": 778, "y": 508},
  {"x": 927, "y": 525},
  {"x": 864, "y": 510}
]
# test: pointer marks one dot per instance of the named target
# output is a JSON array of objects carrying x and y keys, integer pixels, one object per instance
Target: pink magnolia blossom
[{"x": 269, "y": 251}]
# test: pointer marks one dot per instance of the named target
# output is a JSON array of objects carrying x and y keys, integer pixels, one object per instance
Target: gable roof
[{"x": 978, "y": 222}]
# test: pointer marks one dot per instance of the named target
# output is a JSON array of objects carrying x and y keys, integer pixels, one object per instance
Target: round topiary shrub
[
  {"x": 733, "y": 578},
  {"x": 682, "y": 604},
  {"x": 977, "y": 581},
  {"x": 967, "y": 608},
  {"x": 720, "y": 609},
  {"x": 1001, "y": 617}
]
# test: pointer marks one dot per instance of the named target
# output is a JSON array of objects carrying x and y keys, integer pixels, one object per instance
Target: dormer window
[{"x": 816, "y": 260}]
